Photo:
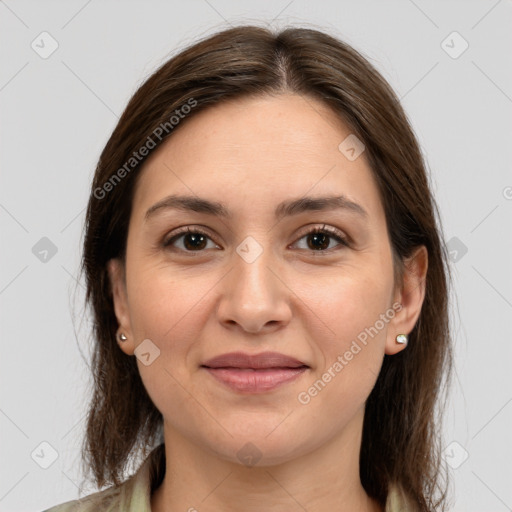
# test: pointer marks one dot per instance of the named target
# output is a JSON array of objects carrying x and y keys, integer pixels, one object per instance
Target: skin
[{"x": 251, "y": 154}]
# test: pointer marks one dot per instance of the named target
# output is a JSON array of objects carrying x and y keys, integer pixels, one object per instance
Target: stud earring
[
  {"x": 402, "y": 338},
  {"x": 121, "y": 337}
]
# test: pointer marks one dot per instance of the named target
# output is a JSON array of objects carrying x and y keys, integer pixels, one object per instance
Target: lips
[
  {"x": 259, "y": 373},
  {"x": 260, "y": 361}
]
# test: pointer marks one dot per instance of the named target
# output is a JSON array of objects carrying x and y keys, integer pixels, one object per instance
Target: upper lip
[{"x": 255, "y": 361}]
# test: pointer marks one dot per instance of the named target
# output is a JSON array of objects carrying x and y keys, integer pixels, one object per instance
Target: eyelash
[{"x": 332, "y": 232}]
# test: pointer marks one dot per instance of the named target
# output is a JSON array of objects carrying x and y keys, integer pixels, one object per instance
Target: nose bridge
[
  {"x": 252, "y": 269},
  {"x": 254, "y": 280},
  {"x": 254, "y": 296}
]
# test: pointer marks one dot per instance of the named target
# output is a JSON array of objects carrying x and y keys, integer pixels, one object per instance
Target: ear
[
  {"x": 410, "y": 296},
  {"x": 116, "y": 273}
]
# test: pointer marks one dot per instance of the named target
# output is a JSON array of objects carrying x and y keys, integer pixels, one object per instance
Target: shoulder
[
  {"x": 133, "y": 495},
  {"x": 397, "y": 501},
  {"x": 107, "y": 500}
]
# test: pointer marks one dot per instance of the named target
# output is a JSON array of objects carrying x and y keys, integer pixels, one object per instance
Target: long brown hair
[{"x": 401, "y": 430}]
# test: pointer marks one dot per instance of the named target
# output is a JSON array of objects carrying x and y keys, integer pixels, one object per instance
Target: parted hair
[{"x": 401, "y": 442}]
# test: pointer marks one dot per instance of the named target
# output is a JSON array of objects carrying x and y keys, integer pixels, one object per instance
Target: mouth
[
  {"x": 254, "y": 378},
  {"x": 254, "y": 369},
  {"x": 250, "y": 380},
  {"x": 262, "y": 361},
  {"x": 259, "y": 373}
]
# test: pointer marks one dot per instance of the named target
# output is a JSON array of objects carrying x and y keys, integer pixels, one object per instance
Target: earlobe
[
  {"x": 411, "y": 297},
  {"x": 115, "y": 270}
]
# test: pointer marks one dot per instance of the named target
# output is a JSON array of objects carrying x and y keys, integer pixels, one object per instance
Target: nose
[{"x": 255, "y": 297}]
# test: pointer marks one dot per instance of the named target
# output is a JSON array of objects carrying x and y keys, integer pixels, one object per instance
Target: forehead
[{"x": 255, "y": 152}]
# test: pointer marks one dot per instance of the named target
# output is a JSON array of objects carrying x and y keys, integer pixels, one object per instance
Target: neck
[{"x": 326, "y": 478}]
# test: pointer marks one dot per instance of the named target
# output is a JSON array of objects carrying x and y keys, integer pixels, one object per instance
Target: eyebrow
[{"x": 284, "y": 209}]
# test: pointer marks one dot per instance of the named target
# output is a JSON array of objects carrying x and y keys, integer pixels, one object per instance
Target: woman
[{"x": 257, "y": 244}]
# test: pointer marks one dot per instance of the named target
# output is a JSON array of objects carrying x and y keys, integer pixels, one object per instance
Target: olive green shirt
[{"x": 134, "y": 494}]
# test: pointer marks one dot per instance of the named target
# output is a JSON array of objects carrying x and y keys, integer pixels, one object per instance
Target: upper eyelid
[
  {"x": 188, "y": 229},
  {"x": 331, "y": 231}
]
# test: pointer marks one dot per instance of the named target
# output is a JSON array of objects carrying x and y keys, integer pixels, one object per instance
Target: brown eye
[
  {"x": 193, "y": 240},
  {"x": 319, "y": 239}
]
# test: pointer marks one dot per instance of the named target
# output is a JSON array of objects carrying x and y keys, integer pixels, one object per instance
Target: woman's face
[{"x": 255, "y": 281}]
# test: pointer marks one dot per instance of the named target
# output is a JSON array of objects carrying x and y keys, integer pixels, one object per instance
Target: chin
[{"x": 260, "y": 449}]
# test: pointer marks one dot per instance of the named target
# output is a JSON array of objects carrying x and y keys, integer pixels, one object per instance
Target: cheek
[
  {"x": 168, "y": 310},
  {"x": 350, "y": 336},
  {"x": 172, "y": 313},
  {"x": 349, "y": 303}
]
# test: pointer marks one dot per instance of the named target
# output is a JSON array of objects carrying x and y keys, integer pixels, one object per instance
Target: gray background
[{"x": 57, "y": 113}]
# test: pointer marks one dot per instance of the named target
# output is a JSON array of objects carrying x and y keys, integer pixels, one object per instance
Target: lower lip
[{"x": 255, "y": 381}]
